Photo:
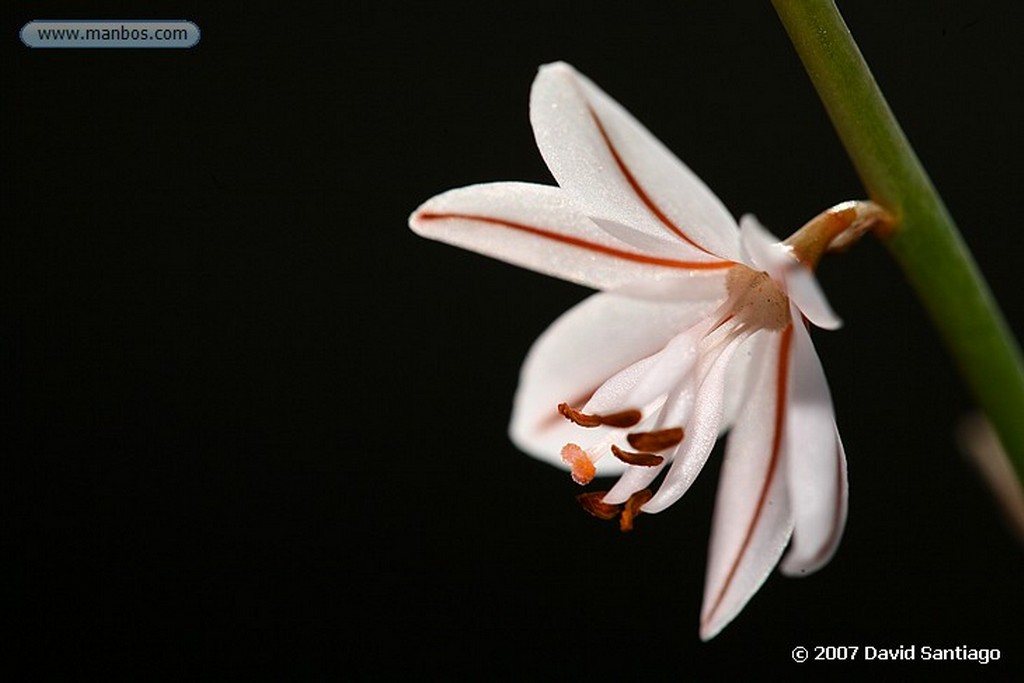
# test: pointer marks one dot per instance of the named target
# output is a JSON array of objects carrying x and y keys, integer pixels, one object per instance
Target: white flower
[{"x": 699, "y": 327}]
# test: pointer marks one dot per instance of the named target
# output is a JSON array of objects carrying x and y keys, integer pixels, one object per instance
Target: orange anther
[{"x": 582, "y": 466}]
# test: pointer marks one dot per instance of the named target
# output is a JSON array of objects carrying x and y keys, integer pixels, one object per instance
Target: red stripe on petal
[
  {"x": 781, "y": 384},
  {"x": 639, "y": 190},
  {"x": 581, "y": 243}
]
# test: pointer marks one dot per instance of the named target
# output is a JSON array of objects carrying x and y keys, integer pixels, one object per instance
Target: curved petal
[
  {"x": 805, "y": 292},
  {"x": 698, "y": 285},
  {"x": 536, "y": 227},
  {"x": 740, "y": 378},
  {"x": 653, "y": 376},
  {"x": 816, "y": 463},
  {"x": 578, "y": 353},
  {"x": 762, "y": 251},
  {"x": 615, "y": 170},
  {"x": 679, "y": 406},
  {"x": 702, "y": 427},
  {"x": 644, "y": 242},
  {"x": 675, "y": 412},
  {"x": 753, "y": 519}
]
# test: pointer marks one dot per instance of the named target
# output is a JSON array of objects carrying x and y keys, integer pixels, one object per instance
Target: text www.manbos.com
[
  {"x": 105, "y": 34},
  {"x": 121, "y": 33}
]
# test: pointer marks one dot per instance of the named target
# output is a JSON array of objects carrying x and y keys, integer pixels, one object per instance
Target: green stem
[{"x": 926, "y": 242}]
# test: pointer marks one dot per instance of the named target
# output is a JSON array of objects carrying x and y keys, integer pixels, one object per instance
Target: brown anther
[
  {"x": 625, "y": 418},
  {"x": 660, "y": 440},
  {"x": 632, "y": 508},
  {"x": 594, "y": 504},
  {"x": 631, "y": 458}
]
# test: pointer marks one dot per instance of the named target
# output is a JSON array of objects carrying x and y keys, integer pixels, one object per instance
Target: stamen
[
  {"x": 582, "y": 466},
  {"x": 626, "y": 418},
  {"x": 594, "y": 504},
  {"x": 631, "y": 458},
  {"x": 632, "y": 508},
  {"x": 660, "y": 440}
]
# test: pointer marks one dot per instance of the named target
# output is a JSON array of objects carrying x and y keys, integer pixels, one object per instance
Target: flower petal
[
  {"x": 535, "y": 226},
  {"x": 654, "y": 376},
  {"x": 739, "y": 380},
  {"x": 615, "y": 170},
  {"x": 578, "y": 353},
  {"x": 677, "y": 408},
  {"x": 763, "y": 252},
  {"x": 702, "y": 425},
  {"x": 816, "y": 464},
  {"x": 753, "y": 519},
  {"x": 663, "y": 245}
]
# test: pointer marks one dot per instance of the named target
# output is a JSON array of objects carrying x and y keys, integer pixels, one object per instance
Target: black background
[{"x": 251, "y": 422}]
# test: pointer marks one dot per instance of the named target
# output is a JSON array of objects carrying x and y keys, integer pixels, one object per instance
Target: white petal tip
[
  {"x": 422, "y": 221},
  {"x": 555, "y": 67},
  {"x": 833, "y": 324},
  {"x": 710, "y": 631},
  {"x": 710, "y": 628},
  {"x": 795, "y": 569},
  {"x": 554, "y": 71},
  {"x": 821, "y": 315},
  {"x": 416, "y": 223}
]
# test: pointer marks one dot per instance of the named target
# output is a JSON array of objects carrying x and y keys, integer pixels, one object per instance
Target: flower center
[{"x": 757, "y": 299}]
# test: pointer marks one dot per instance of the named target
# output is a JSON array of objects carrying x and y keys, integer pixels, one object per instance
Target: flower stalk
[{"x": 925, "y": 241}]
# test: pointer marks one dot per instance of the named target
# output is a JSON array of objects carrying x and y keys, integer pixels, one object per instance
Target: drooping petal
[
  {"x": 806, "y": 293},
  {"x": 615, "y": 170},
  {"x": 653, "y": 376},
  {"x": 739, "y": 380},
  {"x": 702, "y": 427},
  {"x": 815, "y": 462},
  {"x": 753, "y": 519},
  {"x": 677, "y": 408},
  {"x": 578, "y": 353},
  {"x": 535, "y": 226},
  {"x": 760, "y": 250}
]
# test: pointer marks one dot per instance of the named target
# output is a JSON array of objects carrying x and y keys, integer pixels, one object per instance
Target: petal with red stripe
[
  {"x": 753, "y": 518},
  {"x": 535, "y": 226},
  {"x": 616, "y": 170}
]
